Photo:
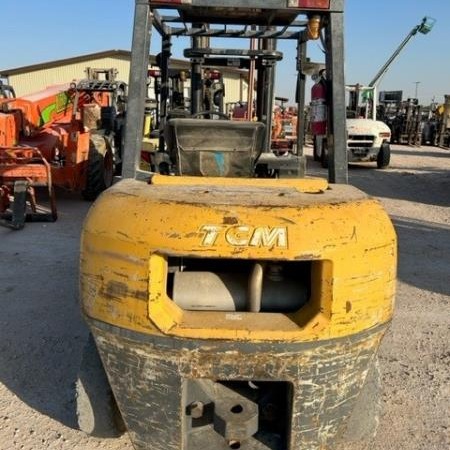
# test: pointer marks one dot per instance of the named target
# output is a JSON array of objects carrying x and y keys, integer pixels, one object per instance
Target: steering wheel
[{"x": 211, "y": 113}]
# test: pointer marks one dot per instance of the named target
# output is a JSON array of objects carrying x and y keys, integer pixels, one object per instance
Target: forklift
[{"x": 233, "y": 301}]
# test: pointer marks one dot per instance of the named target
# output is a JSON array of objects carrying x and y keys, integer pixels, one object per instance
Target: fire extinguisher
[{"x": 319, "y": 107}]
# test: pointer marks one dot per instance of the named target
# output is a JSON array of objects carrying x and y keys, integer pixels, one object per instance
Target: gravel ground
[{"x": 42, "y": 334}]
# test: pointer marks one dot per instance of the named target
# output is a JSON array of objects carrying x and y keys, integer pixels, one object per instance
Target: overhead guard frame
[{"x": 148, "y": 15}]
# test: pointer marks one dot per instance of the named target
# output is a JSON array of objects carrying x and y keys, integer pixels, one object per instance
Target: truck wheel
[
  {"x": 384, "y": 156},
  {"x": 97, "y": 411},
  {"x": 100, "y": 171},
  {"x": 362, "y": 425}
]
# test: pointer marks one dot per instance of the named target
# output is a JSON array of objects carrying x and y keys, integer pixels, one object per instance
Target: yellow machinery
[{"x": 234, "y": 303}]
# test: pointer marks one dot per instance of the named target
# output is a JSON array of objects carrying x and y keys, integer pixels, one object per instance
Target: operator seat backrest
[{"x": 214, "y": 148}]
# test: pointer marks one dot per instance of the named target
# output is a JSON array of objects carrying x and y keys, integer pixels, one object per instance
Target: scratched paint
[
  {"x": 326, "y": 379},
  {"x": 149, "y": 345},
  {"x": 351, "y": 243}
]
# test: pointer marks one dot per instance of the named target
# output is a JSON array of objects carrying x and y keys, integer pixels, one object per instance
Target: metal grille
[{"x": 355, "y": 140}]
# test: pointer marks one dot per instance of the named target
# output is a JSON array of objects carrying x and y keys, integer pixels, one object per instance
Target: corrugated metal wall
[
  {"x": 37, "y": 80},
  {"x": 235, "y": 88},
  {"x": 27, "y": 83}
]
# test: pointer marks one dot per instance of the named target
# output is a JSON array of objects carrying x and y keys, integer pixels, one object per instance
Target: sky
[{"x": 34, "y": 32}]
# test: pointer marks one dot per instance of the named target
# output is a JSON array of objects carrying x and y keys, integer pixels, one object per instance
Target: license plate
[{"x": 360, "y": 151}]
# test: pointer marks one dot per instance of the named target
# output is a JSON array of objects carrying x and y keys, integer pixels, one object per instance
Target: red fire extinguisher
[{"x": 319, "y": 108}]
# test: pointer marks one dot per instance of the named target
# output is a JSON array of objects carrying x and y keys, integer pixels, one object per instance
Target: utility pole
[{"x": 417, "y": 88}]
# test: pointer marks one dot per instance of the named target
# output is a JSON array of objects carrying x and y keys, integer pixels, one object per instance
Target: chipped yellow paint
[
  {"x": 134, "y": 227},
  {"x": 306, "y": 185},
  {"x": 167, "y": 312}
]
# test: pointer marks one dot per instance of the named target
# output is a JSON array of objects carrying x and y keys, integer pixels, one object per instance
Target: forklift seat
[{"x": 214, "y": 148}]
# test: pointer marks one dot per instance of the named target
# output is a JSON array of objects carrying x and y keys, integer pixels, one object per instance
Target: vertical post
[
  {"x": 337, "y": 133},
  {"x": 418, "y": 128},
  {"x": 374, "y": 103},
  {"x": 260, "y": 89},
  {"x": 417, "y": 89},
  {"x": 268, "y": 89},
  {"x": 137, "y": 88},
  {"x": 251, "y": 80},
  {"x": 269, "y": 83},
  {"x": 165, "y": 59},
  {"x": 196, "y": 86},
  {"x": 445, "y": 122},
  {"x": 300, "y": 97},
  {"x": 196, "y": 74}
]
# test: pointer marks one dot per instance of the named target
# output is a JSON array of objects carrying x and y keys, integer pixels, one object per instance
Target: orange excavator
[{"x": 67, "y": 136}]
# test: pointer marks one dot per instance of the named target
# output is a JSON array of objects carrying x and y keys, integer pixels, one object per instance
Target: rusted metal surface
[
  {"x": 17, "y": 163},
  {"x": 235, "y": 417},
  {"x": 156, "y": 372},
  {"x": 26, "y": 165}
]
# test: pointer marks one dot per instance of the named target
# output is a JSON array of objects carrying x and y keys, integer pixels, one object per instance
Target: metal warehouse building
[{"x": 33, "y": 78}]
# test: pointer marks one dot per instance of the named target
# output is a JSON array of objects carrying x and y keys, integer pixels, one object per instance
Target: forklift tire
[
  {"x": 384, "y": 156},
  {"x": 100, "y": 171},
  {"x": 362, "y": 425},
  {"x": 96, "y": 407},
  {"x": 324, "y": 155}
]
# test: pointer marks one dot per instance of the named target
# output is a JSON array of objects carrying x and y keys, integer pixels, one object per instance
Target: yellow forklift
[{"x": 233, "y": 301}]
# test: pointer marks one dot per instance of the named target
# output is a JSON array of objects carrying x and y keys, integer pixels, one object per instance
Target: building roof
[
  {"x": 87, "y": 57},
  {"x": 65, "y": 61}
]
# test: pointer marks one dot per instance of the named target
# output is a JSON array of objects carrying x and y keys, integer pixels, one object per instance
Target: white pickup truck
[{"x": 368, "y": 139}]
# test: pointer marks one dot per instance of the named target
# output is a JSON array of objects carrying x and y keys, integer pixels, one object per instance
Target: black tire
[
  {"x": 362, "y": 425},
  {"x": 384, "y": 156},
  {"x": 97, "y": 411},
  {"x": 100, "y": 171},
  {"x": 19, "y": 206},
  {"x": 324, "y": 155}
]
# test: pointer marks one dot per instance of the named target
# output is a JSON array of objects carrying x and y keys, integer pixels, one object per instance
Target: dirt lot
[{"x": 42, "y": 334}]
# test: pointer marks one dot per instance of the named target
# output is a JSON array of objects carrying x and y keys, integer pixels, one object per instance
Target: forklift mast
[{"x": 263, "y": 21}]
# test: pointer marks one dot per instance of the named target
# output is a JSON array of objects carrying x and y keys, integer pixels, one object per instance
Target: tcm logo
[{"x": 245, "y": 236}]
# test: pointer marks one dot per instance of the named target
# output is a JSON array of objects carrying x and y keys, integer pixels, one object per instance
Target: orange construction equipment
[
  {"x": 67, "y": 135},
  {"x": 284, "y": 129}
]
